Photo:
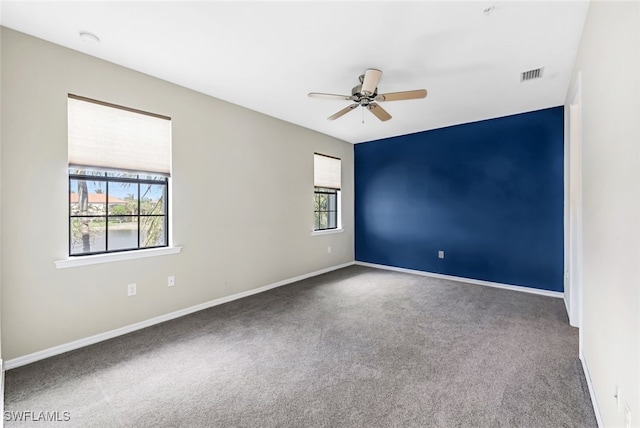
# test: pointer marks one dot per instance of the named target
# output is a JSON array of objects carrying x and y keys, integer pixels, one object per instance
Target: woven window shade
[
  {"x": 326, "y": 171},
  {"x": 104, "y": 136}
]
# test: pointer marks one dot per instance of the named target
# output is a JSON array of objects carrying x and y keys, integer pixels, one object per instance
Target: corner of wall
[{"x": 592, "y": 395}]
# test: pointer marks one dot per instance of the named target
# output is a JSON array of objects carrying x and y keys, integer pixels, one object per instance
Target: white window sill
[
  {"x": 115, "y": 257},
  {"x": 326, "y": 232}
]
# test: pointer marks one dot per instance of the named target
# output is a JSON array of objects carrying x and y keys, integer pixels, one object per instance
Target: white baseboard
[
  {"x": 547, "y": 293},
  {"x": 76, "y": 344},
  {"x": 594, "y": 403}
]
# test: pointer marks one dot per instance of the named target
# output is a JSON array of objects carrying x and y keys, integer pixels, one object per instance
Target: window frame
[
  {"x": 319, "y": 189},
  {"x": 336, "y": 213},
  {"x": 106, "y": 178}
]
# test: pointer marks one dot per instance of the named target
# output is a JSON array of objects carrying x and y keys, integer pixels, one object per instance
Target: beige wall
[
  {"x": 609, "y": 60},
  {"x": 242, "y": 201}
]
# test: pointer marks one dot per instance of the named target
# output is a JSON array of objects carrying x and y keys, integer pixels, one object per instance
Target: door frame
[{"x": 573, "y": 205}]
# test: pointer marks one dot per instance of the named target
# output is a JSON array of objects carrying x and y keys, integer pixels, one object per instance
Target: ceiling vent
[{"x": 531, "y": 74}]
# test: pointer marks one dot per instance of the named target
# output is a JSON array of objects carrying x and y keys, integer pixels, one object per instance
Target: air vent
[{"x": 531, "y": 74}]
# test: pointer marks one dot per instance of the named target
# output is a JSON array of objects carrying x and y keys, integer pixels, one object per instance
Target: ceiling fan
[{"x": 366, "y": 94}]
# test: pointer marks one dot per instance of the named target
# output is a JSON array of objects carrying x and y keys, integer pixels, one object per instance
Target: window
[
  {"x": 119, "y": 169},
  {"x": 111, "y": 211},
  {"x": 327, "y": 181}
]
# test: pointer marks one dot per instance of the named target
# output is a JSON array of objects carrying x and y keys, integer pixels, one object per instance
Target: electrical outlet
[
  {"x": 627, "y": 415},
  {"x": 132, "y": 289},
  {"x": 329, "y": 249},
  {"x": 171, "y": 281},
  {"x": 441, "y": 254}
]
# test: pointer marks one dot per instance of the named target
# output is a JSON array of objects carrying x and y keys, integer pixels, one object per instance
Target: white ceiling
[{"x": 267, "y": 55}]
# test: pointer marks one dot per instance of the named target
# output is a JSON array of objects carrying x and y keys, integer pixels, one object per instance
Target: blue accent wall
[{"x": 489, "y": 193}]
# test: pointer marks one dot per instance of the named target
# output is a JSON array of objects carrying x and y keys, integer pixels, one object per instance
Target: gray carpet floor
[{"x": 357, "y": 347}]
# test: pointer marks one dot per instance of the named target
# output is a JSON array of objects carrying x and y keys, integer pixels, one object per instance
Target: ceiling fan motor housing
[{"x": 360, "y": 98}]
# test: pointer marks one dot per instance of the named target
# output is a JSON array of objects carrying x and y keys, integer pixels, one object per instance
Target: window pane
[
  {"x": 322, "y": 202},
  {"x": 332, "y": 220},
  {"x": 122, "y": 222},
  {"x": 86, "y": 197},
  {"x": 332, "y": 206},
  {"x": 323, "y": 220},
  {"x": 87, "y": 235},
  {"x": 152, "y": 177},
  {"x": 84, "y": 171},
  {"x": 123, "y": 198},
  {"x": 152, "y": 197},
  {"x": 74, "y": 171},
  {"x": 152, "y": 232},
  {"x": 123, "y": 234},
  {"x": 118, "y": 174}
]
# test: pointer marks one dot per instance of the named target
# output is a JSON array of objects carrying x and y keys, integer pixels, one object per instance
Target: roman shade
[
  {"x": 326, "y": 171},
  {"x": 109, "y": 137}
]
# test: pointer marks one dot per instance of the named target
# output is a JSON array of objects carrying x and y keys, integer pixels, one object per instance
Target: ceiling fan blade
[
  {"x": 343, "y": 111},
  {"x": 379, "y": 112},
  {"x": 329, "y": 96},
  {"x": 405, "y": 95},
  {"x": 370, "y": 82}
]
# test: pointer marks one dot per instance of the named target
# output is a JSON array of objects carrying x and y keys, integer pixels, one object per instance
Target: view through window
[{"x": 116, "y": 211}]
